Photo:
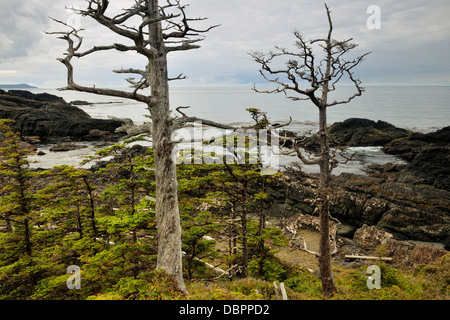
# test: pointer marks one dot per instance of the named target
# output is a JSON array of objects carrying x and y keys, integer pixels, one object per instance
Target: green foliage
[
  {"x": 65, "y": 220},
  {"x": 435, "y": 278},
  {"x": 242, "y": 289},
  {"x": 273, "y": 235},
  {"x": 104, "y": 223},
  {"x": 233, "y": 192},
  {"x": 259, "y": 117},
  {"x": 395, "y": 285},
  {"x": 18, "y": 202},
  {"x": 154, "y": 285},
  {"x": 267, "y": 267},
  {"x": 305, "y": 282},
  {"x": 196, "y": 247}
]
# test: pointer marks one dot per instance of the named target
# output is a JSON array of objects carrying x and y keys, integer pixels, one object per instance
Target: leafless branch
[
  {"x": 179, "y": 122},
  {"x": 172, "y": 10},
  {"x": 116, "y": 46},
  {"x": 305, "y": 248},
  {"x": 179, "y": 77},
  {"x": 74, "y": 42},
  {"x": 306, "y": 78}
]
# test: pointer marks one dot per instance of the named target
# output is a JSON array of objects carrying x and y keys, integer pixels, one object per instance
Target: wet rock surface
[
  {"x": 404, "y": 254},
  {"x": 45, "y": 115},
  {"x": 428, "y": 156},
  {"x": 364, "y": 132},
  {"x": 409, "y": 211}
]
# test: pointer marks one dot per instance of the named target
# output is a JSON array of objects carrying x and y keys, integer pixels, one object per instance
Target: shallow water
[
  {"x": 362, "y": 158},
  {"x": 416, "y": 108}
]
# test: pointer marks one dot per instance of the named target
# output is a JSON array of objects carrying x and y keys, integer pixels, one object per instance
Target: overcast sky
[{"x": 411, "y": 47}]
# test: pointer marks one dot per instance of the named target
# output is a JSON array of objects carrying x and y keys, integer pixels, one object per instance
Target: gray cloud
[
  {"x": 410, "y": 47},
  {"x": 21, "y": 23}
]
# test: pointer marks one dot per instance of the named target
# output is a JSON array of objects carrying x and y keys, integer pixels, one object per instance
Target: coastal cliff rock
[
  {"x": 363, "y": 132},
  {"x": 355, "y": 132},
  {"x": 45, "y": 115},
  {"x": 404, "y": 254},
  {"x": 428, "y": 156},
  {"x": 410, "y": 212}
]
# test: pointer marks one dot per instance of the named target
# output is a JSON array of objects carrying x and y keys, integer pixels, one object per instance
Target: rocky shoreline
[
  {"x": 427, "y": 155},
  {"x": 44, "y": 118},
  {"x": 410, "y": 201}
]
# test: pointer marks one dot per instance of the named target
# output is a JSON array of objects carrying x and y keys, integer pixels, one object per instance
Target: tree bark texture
[
  {"x": 326, "y": 275},
  {"x": 167, "y": 212}
]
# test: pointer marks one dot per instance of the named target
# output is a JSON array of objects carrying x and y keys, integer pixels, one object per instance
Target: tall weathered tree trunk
[
  {"x": 167, "y": 212},
  {"x": 244, "y": 273},
  {"x": 160, "y": 26},
  {"x": 322, "y": 77},
  {"x": 326, "y": 275}
]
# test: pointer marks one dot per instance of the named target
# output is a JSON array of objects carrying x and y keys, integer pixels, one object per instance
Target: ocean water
[
  {"x": 421, "y": 109},
  {"x": 417, "y": 108}
]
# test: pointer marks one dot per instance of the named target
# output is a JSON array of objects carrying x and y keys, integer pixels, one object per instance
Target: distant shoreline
[{"x": 17, "y": 86}]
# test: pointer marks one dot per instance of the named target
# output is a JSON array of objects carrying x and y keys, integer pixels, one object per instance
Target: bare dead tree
[
  {"x": 151, "y": 30},
  {"x": 308, "y": 76}
]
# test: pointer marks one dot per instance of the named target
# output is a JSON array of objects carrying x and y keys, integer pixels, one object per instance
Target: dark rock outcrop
[
  {"x": 66, "y": 147},
  {"x": 409, "y": 147},
  {"x": 404, "y": 254},
  {"x": 364, "y": 132},
  {"x": 355, "y": 132},
  {"x": 417, "y": 212},
  {"x": 46, "y": 115},
  {"x": 429, "y": 157},
  {"x": 413, "y": 212}
]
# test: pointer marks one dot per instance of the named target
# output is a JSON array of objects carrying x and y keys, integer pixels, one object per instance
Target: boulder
[
  {"x": 353, "y": 132},
  {"x": 67, "y": 147},
  {"x": 132, "y": 129},
  {"x": 429, "y": 157},
  {"x": 371, "y": 237},
  {"x": 410, "y": 255},
  {"x": 416, "y": 224},
  {"x": 364, "y": 132},
  {"x": 404, "y": 254}
]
